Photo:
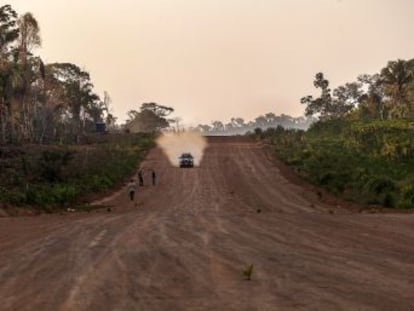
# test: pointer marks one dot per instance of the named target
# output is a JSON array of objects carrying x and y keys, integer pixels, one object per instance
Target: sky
[{"x": 218, "y": 59}]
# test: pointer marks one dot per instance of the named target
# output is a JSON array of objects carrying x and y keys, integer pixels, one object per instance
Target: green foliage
[
  {"x": 379, "y": 185},
  {"x": 8, "y": 30},
  {"x": 151, "y": 118},
  {"x": 389, "y": 200},
  {"x": 52, "y": 162},
  {"x": 42, "y": 103},
  {"x": 47, "y": 194},
  {"x": 366, "y": 161},
  {"x": 388, "y": 94},
  {"x": 248, "y": 272},
  {"x": 61, "y": 176},
  {"x": 258, "y": 131},
  {"x": 331, "y": 105}
]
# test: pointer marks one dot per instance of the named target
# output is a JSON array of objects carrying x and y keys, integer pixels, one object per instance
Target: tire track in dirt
[{"x": 185, "y": 245}]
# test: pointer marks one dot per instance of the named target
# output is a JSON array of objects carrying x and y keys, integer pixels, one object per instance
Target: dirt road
[{"x": 187, "y": 243}]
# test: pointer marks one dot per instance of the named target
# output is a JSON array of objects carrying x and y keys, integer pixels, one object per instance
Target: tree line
[
  {"x": 238, "y": 126},
  {"x": 42, "y": 103},
  {"x": 388, "y": 94}
]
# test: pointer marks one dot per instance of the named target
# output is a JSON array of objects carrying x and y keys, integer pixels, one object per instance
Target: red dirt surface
[{"x": 186, "y": 243}]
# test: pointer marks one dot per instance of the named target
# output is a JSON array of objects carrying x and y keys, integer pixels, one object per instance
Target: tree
[
  {"x": 346, "y": 98},
  {"x": 29, "y": 38},
  {"x": 229, "y": 127},
  {"x": 238, "y": 122},
  {"x": 79, "y": 95},
  {"x": 260, "y": 121},
  {"x": 150, "y": 118},
  {"x": 110, "y": 119},
  {"x": 372, "y": 104},
  {"x": 396, "y": 77},
  {"x": 321, "y": 105},
  {"x": 40, "y": 102},
  {"x": 348, "y": 94},
  {"x": 217, "y": 126},
  {"x": 205, "y": 128},
  {"x": 326, "y": 106},
  {"x": 270, "y": 118},
  {"x": 9, "y": 32},
  {"x": 22, "y": 72},
  {"x": 132, "y": 114},
  {"x": 286, "y": 121},
  {"x": 159, "y": 110},
  {"x": 176, "y": 121}
]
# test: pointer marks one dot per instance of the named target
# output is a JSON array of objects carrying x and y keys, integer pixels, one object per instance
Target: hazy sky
[{"x": 215, "y": 59}]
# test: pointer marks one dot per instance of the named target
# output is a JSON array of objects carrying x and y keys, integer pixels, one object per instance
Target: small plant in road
[{"x": 248, "y": 271}]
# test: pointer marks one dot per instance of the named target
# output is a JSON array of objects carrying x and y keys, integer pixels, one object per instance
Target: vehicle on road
[{"x": 186, "y": 160}]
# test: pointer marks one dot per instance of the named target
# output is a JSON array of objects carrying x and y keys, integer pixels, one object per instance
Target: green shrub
[
  {"x": 379, "y": 185},
  {"x": 365, "y": 161},
  {"x": 52, "y": 163},
  {"x": 407, "y": 188},
  {"x": 405, "y": 205},
  {"x": 258, "y": 131},
  {"x": 97, "y": 182},
  {"x": 52, "y": 176},
  {"x": 13, "y": 196},
  {"x": 63, "y": 194},
  {"x": 389, "y": 200}
]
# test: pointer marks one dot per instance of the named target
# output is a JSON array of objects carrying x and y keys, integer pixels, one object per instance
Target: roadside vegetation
[
  {"x": 362, "y": 147},
  {"x": 53, "y": 177},
  {"x": 369, "y": 162},
  {"x": 59, "y": 142}
]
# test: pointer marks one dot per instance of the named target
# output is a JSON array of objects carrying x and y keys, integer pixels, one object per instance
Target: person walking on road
[
  {"x": 154, "y": 178},
  {"x": 141, "y": 178},
  {"x": 132, "y": 186}
]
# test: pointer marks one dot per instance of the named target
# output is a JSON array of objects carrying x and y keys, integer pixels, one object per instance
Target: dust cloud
[{"x": 174, "y": 145}]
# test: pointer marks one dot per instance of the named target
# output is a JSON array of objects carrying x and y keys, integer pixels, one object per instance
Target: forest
[
  {"x": 238, "y": 126},
  {"x": 40, "y": 102},
  {"x": 50, "y": 154}
]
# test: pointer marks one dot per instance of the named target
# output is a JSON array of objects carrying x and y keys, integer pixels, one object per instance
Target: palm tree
[{"x": 396, "y": 77}]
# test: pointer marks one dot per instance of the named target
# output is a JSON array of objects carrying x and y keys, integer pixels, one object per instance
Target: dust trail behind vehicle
[{"x": 174, "y": 145}]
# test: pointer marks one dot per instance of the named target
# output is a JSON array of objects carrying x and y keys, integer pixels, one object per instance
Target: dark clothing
[
  {"x": 131, "y": 195},
  {"x": 154, "y": 178},
  {"x": 140, "y": 178}
]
